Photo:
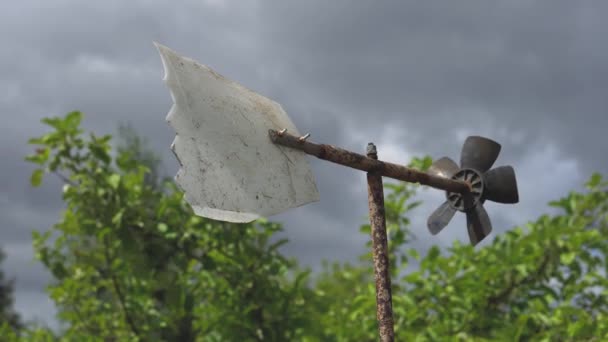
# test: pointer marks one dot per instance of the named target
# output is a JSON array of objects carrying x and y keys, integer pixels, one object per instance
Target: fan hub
[{"x": 464, "y": 203}]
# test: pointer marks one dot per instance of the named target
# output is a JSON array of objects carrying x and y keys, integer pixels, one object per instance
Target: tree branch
[
  {"x": 493, "y": 301},
  {"x": 64, "y": 178},
  {"x": 119, "y": 293}
]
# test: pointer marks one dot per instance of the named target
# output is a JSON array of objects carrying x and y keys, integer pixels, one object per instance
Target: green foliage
[
  {"x": 134, "y": 149},
  {"x": 131, "y": 262},
  {"x": 544, "y": 281},
  {"x": 31, "y": 333},
  {"x": 9, "y": 319}
]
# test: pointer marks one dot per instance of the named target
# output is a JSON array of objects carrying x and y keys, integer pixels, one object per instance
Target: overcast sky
[{"x": 415, "y": 77}]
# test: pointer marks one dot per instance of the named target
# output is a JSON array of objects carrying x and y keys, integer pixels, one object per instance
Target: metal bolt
[
  {"x": 371, "y": 149},
  {"x": 304, "y": 137}
]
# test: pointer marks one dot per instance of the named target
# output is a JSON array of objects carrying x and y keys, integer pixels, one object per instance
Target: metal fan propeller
[{"x": 497, "y": 185}]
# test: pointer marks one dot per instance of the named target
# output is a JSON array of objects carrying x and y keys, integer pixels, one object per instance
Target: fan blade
[
  {"x": 501, "y": 185},
  {"x": 440, "y": 218},
  {"x": 478, "y": 224},
  {"x": 479, "y": 153},
  {"x": 443, "y": 167}
]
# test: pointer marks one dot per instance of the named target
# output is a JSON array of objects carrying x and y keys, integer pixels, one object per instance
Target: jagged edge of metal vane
[{"x": 199, "y": 210}]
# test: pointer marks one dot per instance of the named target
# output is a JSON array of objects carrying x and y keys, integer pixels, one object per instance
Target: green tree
[
  {"x": 135, "y": 148},
  {"x": 8, "y": 316},
  {"x": 542, "y": 281},
  {"x": 132, "y": 262}
]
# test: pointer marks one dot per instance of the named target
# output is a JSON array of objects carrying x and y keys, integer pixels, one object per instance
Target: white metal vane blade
[{"x": 230, "y": 170}]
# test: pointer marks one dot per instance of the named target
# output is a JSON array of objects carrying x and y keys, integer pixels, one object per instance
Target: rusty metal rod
[
  {"x": 363, "y": 163},
  {"x": 377, "y": 218}
]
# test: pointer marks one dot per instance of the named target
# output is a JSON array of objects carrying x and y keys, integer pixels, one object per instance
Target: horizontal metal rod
[{"x": 364, "y": 163}]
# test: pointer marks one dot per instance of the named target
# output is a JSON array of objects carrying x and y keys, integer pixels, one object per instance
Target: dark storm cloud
[
  {"x": 414, "y": 77},
  {"x": 529, "y": 68}
]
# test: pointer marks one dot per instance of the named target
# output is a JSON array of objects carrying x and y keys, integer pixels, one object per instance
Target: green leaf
[
  {"x": 114, "y": 181},
  {"x": 73, "y": 119},
  {"x": 40, "y": 157},
  {"x": 103, "y": 232},
  {"x": 594, "y": 181},
  {"x": 56, "y": 123},
  {"x": 100, "y": 153},
  {"x": 522, "y": 269},
  {"x": 413, "y": 253},
  {"x": 567, "y": 258},
  {"x": 365, "y": 229},
  {"x": 573, "y": 204},
  {"x": 275, "y": 246},
  {"x": 117, "y": 218},
  {"x": 162, "y": 227},
  {"x": 433, "y": 253},
  {"x": 36, "y": 178}
]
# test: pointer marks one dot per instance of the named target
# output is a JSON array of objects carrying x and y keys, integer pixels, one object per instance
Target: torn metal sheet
[{"x": 230, "y": 170}]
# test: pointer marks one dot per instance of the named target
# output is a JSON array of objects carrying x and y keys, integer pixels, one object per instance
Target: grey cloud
[{"x": 532, "y": 69}]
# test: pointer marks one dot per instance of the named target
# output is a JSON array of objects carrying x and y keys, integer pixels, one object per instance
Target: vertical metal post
[{"x": 377, "y": 217}]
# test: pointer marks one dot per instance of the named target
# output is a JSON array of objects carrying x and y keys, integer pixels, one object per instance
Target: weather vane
[{"x": 242, "y": 158}]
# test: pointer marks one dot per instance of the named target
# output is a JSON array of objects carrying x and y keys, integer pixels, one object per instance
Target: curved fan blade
[
  {"x": 440, "y": 218},
  {"x": 478, "y": 224},
  {"x": 501, "y": 185},
  {"x": 479, "y": 153},
  {"x": 443, "y": 167}
]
